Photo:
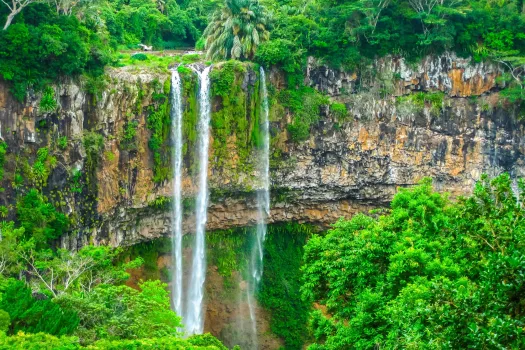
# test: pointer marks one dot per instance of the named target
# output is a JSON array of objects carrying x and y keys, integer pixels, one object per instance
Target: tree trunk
[{"x": 9, "y": 19}]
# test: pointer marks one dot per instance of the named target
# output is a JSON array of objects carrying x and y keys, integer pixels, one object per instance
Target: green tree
[
  {"x": 236, "y": 30},
  {"x": 63, "y": 272},
  {"x": 39, "y": 218},
  {"x": 120, "y": 312},
  {"x": 429, "y": 273},
  {"x": 31, "y": 315}
]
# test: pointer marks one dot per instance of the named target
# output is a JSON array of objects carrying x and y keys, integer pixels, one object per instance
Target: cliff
[{"x": 378, "y": 128}]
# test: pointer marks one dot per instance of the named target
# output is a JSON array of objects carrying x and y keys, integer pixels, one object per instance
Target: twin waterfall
[{"x": 187, "y": 300}]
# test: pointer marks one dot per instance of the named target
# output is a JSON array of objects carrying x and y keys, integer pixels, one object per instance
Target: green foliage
[
  {"x": 48, "y": 102},
  {"x": 3, "y": 151},
  {"x": 62, "y": 142},
  {"x": 76, "y": 181},
  {"x": 280, "y": 52},
  {"x": 153, "y": 62},
  {"x": 161, "y": 203},
  {"x": 191, "y": 58},
  {"x": 339, "y": 111},
  {"x": 166, "y": 26},
  {"x": 428, "y": 272},
  {"x": 41, "y": 168},
  {"x": 149, "y": 252},
  {"x": 41, "y": 46},
  {"x": 279, "y": 290},
  {"x": 159, "y": 122},
  {"x": 421, "y": 100},
  {"x": 5, "y": 321},
  {"x": 299, "y": 130},
  {"x": 238, "y": 114},
  {"x": 120, "y": 312},
  {"x": 236, "y": 30},
  {"x": 48, "y": 342},
  {"x": 183, "y": 70},
  {"x": 39, "y": 218},
  {"x": 93, "y": 144},
  {"x": 305, "y": 104},
  {"x": 189, "y": 118},
  {"x": 347, "y": 34},
  {"x": 139, "y": 57},
  {"x": 128, "y": 140},
  {"x": 228, "y": 250},
  {"x": 31, "y": 315},
  {"x": 95, "y": 85},
  {"x": 223, "y": 78}
]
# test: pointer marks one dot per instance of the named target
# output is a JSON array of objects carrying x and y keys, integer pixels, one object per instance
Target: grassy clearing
[{"x": 155, "y": 61}]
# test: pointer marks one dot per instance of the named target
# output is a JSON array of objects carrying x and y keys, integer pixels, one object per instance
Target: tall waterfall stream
[
  {"x": 194, "y": 320},
  {"x": 188, "y": 302},
  {"x": 176, "y": 133}
]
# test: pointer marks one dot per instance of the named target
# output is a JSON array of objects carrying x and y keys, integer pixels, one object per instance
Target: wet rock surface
[{"x": 344, "y": 167}]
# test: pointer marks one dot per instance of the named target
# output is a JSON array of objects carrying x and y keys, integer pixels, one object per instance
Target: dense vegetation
[
  {"x": 56, "y": 298},
  {"x": 426, "y": 274},
  {"x": 280, "y": 287},
  {"x": 45, "y": 40}
]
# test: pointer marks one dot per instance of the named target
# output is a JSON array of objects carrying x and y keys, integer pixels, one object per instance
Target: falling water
[
  {"x": 176, "y": 134},
  {"x": 194, "y": 317},
  {"x": 263, "y": 205}
]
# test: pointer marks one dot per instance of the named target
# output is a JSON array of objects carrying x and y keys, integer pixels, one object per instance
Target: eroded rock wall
[{"x": 346, "y": 166}]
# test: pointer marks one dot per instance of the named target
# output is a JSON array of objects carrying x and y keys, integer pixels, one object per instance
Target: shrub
[
  {"x": 279, "y": 52},
  {"x": 139, "y": 57},
  {"x": 299, "y": 131},
  {"x": 62, "y": 142},
  {"x": 48, "y": 102},
  {"x": 339, "y": 111},
  {"x": 30, "y": 315},
  {"x": 428, "y": 271},
  {"x": 39, "y": 218}
]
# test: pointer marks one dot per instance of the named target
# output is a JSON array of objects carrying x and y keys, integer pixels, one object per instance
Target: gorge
[{"x": 219, "y": 129}]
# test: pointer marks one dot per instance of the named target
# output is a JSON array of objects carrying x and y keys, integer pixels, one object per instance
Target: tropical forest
[{"x": 262, "y": 174}]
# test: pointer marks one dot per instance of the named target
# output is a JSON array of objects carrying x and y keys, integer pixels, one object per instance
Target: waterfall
[
  {"x": 194, "y": 315},
  {"x": 263, "y": 205},
  {"x": 176, "y": 135}
]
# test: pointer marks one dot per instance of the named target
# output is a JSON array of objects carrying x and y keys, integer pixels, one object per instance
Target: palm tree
[{"x": 236, "y": 30}]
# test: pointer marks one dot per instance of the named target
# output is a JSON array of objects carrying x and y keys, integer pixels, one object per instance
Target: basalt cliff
[{"x": 442, "y": 118}]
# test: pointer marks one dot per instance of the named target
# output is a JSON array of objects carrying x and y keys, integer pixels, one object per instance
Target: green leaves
[
  {"x": 236, "y": 30},
  {"x": 430, "y": 274},
  {"x": 39, "y": 218},
  {"x": 32, "y": 315},
  {"x": 120, "y": 312},
  {"x": 48, "y": 102}
]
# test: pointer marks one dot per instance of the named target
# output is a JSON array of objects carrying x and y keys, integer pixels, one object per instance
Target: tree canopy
[
  {"x": 236, "y": 30},
  {"x": 428, "y": 273}
]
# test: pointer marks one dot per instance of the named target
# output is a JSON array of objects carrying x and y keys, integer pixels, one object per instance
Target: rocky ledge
[{"x": 346, "y": 166}]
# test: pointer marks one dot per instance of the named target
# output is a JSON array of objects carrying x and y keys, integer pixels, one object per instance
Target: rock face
[
  {"x": 457, "y": 77},
  {"x": 389, "y": 139},
  {"x": 442, "y": 118}
]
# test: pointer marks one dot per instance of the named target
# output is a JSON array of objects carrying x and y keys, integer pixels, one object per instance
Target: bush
[
  {"x": 62, "y": 142},
  {"x": 30, "y": 315},
  {"x": 427, "y": 272},
  {"x": 5, "y": 321},
  {"x": 139, "y": 57},
  {"x": 42, "y": 46},
  {"x": 39, "y": 218},
  {"x": 299, "y": 131},
  {"x": 279, "y": 52},
  {"x": 48, "y": 102},
  {"x": 339, "y": 111}
]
